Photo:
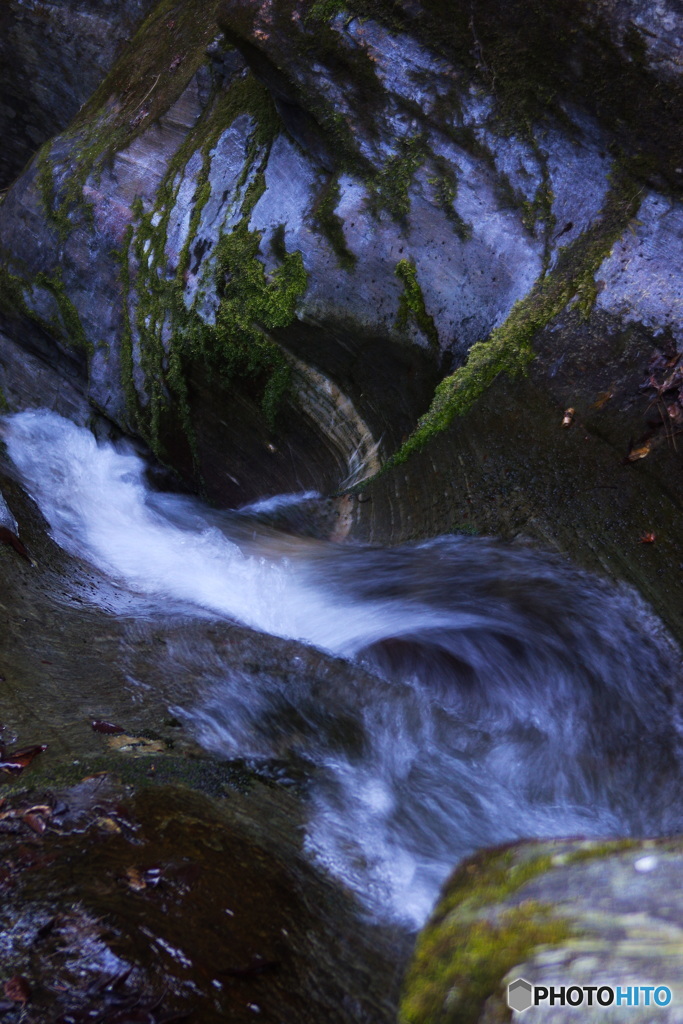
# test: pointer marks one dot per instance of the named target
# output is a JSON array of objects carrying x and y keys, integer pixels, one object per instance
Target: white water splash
[{"x": 511, "y": 695}]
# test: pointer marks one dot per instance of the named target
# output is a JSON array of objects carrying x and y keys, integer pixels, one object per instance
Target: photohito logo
[{"x": 522, "y": 994}]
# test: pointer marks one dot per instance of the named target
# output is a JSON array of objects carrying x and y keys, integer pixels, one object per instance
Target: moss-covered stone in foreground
[
  {"x": 573, "y": 912},
  {"x": 461, "y": 958}
]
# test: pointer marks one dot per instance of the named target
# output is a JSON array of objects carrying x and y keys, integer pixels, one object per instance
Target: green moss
[
  {"x": 594, "y": 850},
  {"x": 411, "y": 305},
  {"x": 463, "y": 964},
  {"x": 154, "y": 70},
  {"x": 509, "y": 347},
  {"x": 472, "y": 942},
  {"x": 12, "y": 294},
  {"x": 325, "y": 10},
  {"x": 332, "y": 226},
  {"x": 173, "y": 335},
  {"x": 445, "y": 189},
  {"x": 586, "y": 295},
  {"x": 13, "y": 302},
  {"x": 250, "y": 306},
  {"x": 461, "y": 958},
  {"x": 391, "y": 186},
  {"x": 533, "y": 57},
  {"x": 72, "y": 328},
  {"x": 489, "y": 878}
]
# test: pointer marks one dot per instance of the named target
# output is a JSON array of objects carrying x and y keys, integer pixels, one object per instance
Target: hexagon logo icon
[{"x": 520, "y": 995}]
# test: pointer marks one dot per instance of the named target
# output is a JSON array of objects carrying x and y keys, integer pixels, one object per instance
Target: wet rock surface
[
  {"x": 169, "y": 905},
  {"x": 347, "y": 194},
  {"x": 141, "y": 878},
  {"x": 606, "y": 489},
  {"x": 301, "y": 218}
]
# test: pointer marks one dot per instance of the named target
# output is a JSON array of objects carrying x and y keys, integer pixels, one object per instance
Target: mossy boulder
[
  {"x": 558, "y": 913},
  {"x": 304, "y": 216}
]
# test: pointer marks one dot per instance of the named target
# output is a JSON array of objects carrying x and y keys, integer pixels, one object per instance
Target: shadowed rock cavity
[{"x": 52, "y": 56}]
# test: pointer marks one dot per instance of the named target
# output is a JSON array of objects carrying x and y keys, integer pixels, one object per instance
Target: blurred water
[{"x": 510, "y": 695}]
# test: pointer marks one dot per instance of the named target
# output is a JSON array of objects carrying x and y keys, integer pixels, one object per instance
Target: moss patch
[
  {"x": 391, "y": 185},
  {"x": 461, "y": 958},
  {"x": 155, "y": 69},
  {"x": 331, "y": 225},
  {"x": 411, "y": 305},
  {"x": 531, "y": 56},
  {"x": 72, "y": 328},
  {"x": 13, "y": 302},
  {"x": 12, "y": 293},
  {"x": 170, "y": 333},
  {"x": 509, "y": 347},
  {"x": 445, "y": 190}
]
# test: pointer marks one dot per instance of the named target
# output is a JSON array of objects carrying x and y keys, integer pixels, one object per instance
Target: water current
[{"x": 504, "y": 694}]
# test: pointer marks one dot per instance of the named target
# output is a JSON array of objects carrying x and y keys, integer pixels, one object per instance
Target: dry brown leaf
[
  {"x": 15, "y": 761},
  {"x": 602, "y": 399},
  {"x": 108, "y": 824},
  {"x": 17, "y": 989},
  {"x": 35, "y": 822},
  {"x": 135, "y": 879},
  {"x": 640, "y": 452},
  {"x": 136, "y": 745}
]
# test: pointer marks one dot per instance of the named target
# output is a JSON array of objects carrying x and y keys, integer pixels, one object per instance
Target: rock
[
  {"x": 177, "y": 881},
  {"x": 167, "y": 901},
  {"x": 52, "y": 57},
  {"x": 558, "y": 913},
  {"x": 343, "y": 200}
]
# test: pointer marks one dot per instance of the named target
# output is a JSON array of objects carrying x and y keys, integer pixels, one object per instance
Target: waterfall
[{"x": 505, "y": 693}]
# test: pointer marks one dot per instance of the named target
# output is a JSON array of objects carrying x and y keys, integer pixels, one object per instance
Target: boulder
[{"x": 554, "y": 914}]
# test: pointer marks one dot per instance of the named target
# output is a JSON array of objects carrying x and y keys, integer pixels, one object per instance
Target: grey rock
[
  {"x": 585, "y": 914},
  {"x": 52, "y": 57}
]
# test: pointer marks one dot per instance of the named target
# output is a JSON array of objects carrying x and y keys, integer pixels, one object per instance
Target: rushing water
[{"x": 505, "y": 695}]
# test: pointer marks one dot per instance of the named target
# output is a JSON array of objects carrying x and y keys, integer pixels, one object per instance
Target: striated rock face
[
  {"x": 563, "y": 913},
  {"x": 300, "y": 223},
  {"x": 302, "y": 217},
  {"x": 52, "y": 56}
]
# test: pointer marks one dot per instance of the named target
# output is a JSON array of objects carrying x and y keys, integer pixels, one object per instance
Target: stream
[{"x": 511, "y": 695}]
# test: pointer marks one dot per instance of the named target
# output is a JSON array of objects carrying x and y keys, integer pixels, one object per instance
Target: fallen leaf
[
  {"x": 105, "y": 727},
  {"x": 640, "y": 452},
  {"x": 15, "y": 761},
  {"x": 136, "y": 745},
  {"x": 17, "y": 989},
  {"x": 108, "y": 824},
  {"x": 647, "y": 538},
  {"x": 602, "y": 399},
  {"x": 135, "y": 879},
  {"x": 35, "y": 822}
]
